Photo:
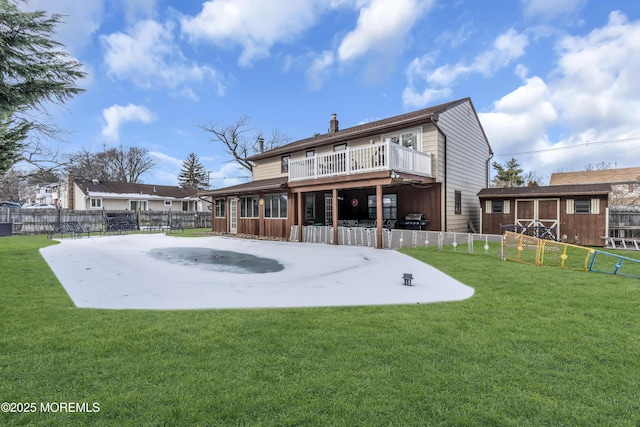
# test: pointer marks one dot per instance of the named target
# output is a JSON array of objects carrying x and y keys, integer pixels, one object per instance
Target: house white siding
[{"x": 467, "y": 153}]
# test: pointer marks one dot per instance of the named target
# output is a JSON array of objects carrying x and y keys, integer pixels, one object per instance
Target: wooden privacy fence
[{"x": 37, "y": 221}]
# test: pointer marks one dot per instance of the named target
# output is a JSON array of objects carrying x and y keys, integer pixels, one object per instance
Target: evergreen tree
[
  {"x": 193, "y": 173},
  {"x": 509, "y": 175},
  {"x": 35, "y": 71}
]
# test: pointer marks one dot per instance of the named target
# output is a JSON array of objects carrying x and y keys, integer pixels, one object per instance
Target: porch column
[
  {"x": 300, "y": 210},
  {"x": 335, "y": 216},
  {"x": 379, "y": 219}
]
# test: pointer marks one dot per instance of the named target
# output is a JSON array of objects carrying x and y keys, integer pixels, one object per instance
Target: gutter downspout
[{"x": 434, "y": 120}]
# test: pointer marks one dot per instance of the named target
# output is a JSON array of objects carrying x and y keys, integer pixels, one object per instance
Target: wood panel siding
[
  {"x": 583, "y": 229},
  {"x": 219, "y": 225},
  {"x": 579, "y": 229},
  {"x": 410, "y": 200}
]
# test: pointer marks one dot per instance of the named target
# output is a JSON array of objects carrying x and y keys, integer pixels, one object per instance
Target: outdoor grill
[{"x": 413, "y": 221}]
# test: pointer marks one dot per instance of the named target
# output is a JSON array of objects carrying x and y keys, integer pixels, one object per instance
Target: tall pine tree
[
  {"x": 35, "y": 71},
  {"x": 193, "y": 173},
  {"x": 509, "y": 175}
]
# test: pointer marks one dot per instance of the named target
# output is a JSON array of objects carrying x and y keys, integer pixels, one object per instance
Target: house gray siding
[{"x": 467, "y": 152}]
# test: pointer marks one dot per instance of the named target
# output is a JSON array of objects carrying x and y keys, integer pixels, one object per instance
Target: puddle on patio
[{"x": 217, "y": 260}]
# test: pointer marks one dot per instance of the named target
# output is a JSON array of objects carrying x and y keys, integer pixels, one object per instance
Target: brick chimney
[{"x": 333, "y": 124}]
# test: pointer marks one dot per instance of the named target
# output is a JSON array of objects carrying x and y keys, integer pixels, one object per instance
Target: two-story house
[{"x": 431, "y": 162}]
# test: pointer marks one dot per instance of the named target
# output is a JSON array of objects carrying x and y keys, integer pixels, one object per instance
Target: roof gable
[
  {"x": 546, "y": 191},
  {"x": 95, "y": 186},
  {"x": 611, "y": 176},
  {"x": 372, "y": 128}
]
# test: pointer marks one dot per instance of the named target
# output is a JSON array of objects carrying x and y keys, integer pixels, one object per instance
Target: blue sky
[{"x": 555, "y": 82}]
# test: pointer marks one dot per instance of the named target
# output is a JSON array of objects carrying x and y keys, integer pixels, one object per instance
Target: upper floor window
[
  {"x": 310, "y": 153},
  {"x": 340, "y": 147},
  {"x": 284, "y": 164},
  {"x": 410, "y": 138}
]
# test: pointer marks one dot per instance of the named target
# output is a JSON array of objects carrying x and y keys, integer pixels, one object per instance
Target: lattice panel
[{"x": 534, "y": 251}]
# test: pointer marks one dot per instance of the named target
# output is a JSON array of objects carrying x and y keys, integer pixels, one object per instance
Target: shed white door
[
  {"x": 233, "y": 215},
  {"x": 539, "y": 213}
]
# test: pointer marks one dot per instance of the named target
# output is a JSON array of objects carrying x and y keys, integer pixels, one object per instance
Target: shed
[{"x": 570, "y": 213}]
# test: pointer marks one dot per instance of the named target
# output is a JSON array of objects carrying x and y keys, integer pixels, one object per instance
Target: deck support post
[
  {"x": 300, "y": 210},
  {"x": 379, "y": 218},
  {"x": 335, "y": 216}
]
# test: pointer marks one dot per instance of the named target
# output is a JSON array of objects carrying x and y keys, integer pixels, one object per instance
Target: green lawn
[{"x": 533, "y": 346}]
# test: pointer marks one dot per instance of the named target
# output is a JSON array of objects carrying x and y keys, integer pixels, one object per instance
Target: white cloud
[
  {"x": 382, "y": 25},
  {"x": 506, "y": 48},
  {"x": 134, "y": 9},
  {"x": 254, "y": 25},
  {"x": 519, "y": 120},
  {"x": 147, "y": 55},
  {"x": 318, "y": 70},
  {"x": 551, "y": 9},
  {"x": 118, "y": 114},
  {"x": 591, "y": 96},
  {"x": 81, "y": 19}
]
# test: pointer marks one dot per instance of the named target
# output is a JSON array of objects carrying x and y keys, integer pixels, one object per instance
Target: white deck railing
[{"x": 370, "y": 158}]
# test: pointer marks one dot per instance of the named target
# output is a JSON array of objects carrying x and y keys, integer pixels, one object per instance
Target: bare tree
[
  {"x": 532, "y": 179},
  {"x": 241, "y": 141},
  {"x": 601, "y": 166},
  {"x": 111, "y": 164}
]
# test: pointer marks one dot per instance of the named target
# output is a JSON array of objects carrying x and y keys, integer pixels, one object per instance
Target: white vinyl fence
[{"x": 394, "y": 239}]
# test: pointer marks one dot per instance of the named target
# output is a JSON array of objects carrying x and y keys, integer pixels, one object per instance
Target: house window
[
  {"x": 340, "y": 147},
  {"x": 582, "y": 206},
  {"x": 458, "y": 203},
  {"x": 410, "y": 138},
  {"x": 310, "y": 206},
  {"x": 275, "y": 206},
  {"x": 95, "y": 203},
  {"x": 220, "y": 208},
  {"x": 389, "y": 206},
  {"x": 185, "y": 205},
  {"x": 284, "y": 164},
  {"x": 249, "y": 207},
  {"x": 310, "y": 153},
  {"x": 167, "y": 203},
  {"x": 136, "y": 205},
  {"x": 497, "y": 206}
]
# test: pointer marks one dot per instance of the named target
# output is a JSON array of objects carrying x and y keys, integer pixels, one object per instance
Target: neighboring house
[
  {"x": 570, "y": 213},
  {"x": 625, "y": 183},
  {"x": 87, "y": 194},
  {"x": 431, "y": 162},
  {"x": 45, "y": 193}
]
